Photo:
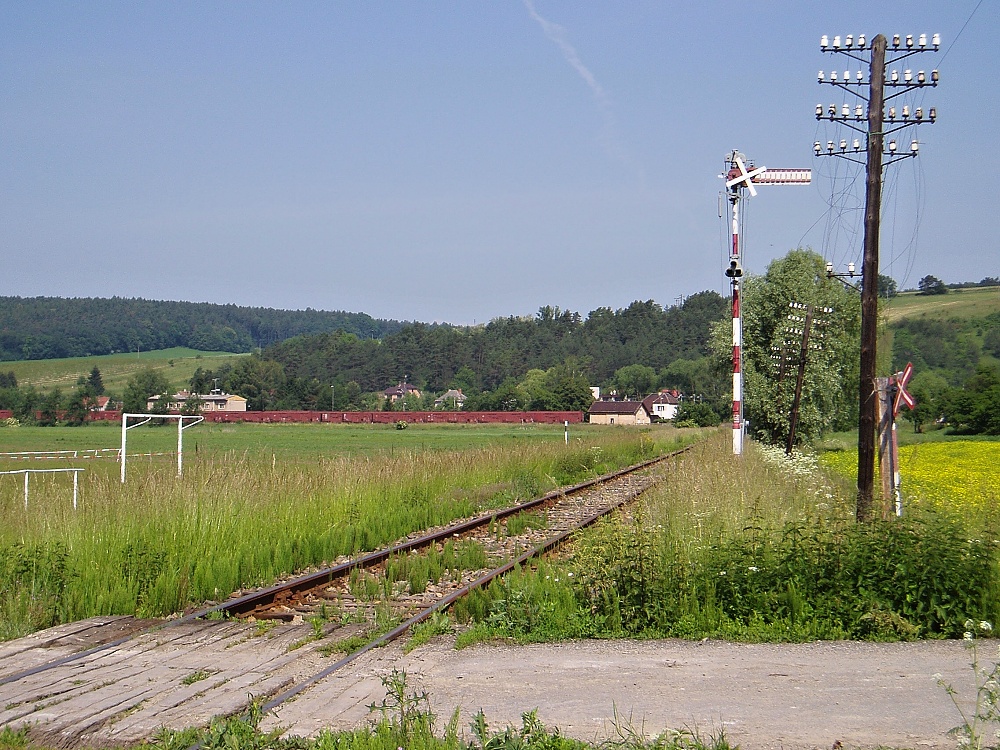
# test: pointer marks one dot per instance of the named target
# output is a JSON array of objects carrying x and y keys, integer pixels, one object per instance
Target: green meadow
[
  {"x": 299, "y": 442},
  {"x": 177, "y": 365},
  {"x": 974, "y": 302}
]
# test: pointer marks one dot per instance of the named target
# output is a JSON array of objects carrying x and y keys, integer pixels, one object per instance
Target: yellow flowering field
[{"x": 962, "y": 475}]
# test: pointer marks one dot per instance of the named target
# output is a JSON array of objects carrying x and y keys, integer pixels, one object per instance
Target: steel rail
[
  {"x": 546, "y": 546},
  {"x": 267, "y": 597}
]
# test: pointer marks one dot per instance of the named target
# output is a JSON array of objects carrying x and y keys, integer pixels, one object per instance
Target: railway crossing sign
[{"x": 902, "y": 395}]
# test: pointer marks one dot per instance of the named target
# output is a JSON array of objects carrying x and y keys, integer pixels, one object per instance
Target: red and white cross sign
[{"x": 902, "y": 395}]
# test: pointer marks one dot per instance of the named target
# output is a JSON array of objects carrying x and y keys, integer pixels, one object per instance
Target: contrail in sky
[{"x": 558, "y": 35}]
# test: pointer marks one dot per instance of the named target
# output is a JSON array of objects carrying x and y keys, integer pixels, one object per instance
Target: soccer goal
[{"x": 183, "y": 422}]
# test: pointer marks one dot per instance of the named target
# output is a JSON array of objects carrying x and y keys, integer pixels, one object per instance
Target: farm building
[
  {"x": 214, "y": 401},
  {"x": 618, "y": 412}
]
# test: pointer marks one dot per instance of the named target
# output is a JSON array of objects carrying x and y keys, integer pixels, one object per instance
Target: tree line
[
  {"x": 55, "y": 327},
  {"x": 546, "y": 361},
  {"x": 956, "y": 363}
]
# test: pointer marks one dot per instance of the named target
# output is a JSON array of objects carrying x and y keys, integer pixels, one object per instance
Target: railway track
[{"x": 277, "y": 642}]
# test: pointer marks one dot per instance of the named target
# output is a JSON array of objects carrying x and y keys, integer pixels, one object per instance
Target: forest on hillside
[
  {"x": 55, "y": 327},
  {"x": 430, "y": 357}
]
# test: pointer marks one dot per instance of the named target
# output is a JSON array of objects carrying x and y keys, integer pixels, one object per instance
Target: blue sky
[{"x": 459, "y": 161}]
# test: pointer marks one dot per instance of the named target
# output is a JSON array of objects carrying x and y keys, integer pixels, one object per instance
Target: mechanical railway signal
[{"x": 741, "y": 178}]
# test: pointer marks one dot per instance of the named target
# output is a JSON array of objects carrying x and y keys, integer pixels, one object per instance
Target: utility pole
[
  {"x": 813, "y": 319},
  {"x": 875, "y": 134},
  {"x": 739, "y": 179}
]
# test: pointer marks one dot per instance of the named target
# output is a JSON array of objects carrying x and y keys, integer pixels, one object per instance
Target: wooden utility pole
[
  {"x": 868, "y": 403},
  {"x": 875, "y": 131}
]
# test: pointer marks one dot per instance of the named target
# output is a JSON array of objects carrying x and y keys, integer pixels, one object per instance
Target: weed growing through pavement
[{"x": 973, "y": 731}]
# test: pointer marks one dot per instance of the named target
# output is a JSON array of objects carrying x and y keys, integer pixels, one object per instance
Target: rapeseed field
[{"x": 957, "y": 475}]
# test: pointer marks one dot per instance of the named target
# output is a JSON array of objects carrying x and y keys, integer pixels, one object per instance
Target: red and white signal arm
[{"x": 902, "y": 395}]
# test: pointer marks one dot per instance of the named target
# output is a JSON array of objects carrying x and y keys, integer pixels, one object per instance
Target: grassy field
[
  {"x": 299, "y": 442},
  {"x": 259, "y": 501},
  {"x": 178, "y": 365},
  {"x": 975, "y": 302}
]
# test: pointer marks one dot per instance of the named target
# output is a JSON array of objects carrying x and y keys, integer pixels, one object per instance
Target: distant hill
[
  {"x": 972, "y": 302},
  {"x": 948, "y": 334},
  {"x": 53, "y": 327}
]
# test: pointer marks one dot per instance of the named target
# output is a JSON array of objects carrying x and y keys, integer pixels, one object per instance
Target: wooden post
[
  {"x": 885, "y": 442},
  {"x": 803, "y": 353},
  {"x": 867, "y": 400}
]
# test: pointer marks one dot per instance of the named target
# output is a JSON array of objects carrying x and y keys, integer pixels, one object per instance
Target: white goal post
[{"x": 181, "y": 426}]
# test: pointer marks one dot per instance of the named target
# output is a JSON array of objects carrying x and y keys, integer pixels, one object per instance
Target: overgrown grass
[
  {"x": 760, "y": 549},
  {"x": 158, "y": 543}
]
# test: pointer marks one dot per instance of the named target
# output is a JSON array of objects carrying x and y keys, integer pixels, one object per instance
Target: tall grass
[
  {"x": 158, "y": 543},
  {"x": 759, "y": 548}
]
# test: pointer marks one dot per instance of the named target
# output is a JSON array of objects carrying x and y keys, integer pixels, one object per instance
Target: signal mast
[{"x": 740, "y": 179}]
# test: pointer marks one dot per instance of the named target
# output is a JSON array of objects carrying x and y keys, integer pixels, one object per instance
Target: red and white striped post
[
  {"x": 734, "y": 272},
  {"x": 738, "y": 179}
]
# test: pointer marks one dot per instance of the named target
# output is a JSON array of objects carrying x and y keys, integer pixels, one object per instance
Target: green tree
[
  {"x": 465, "y": 380},
  {"x": 78, "y": 404},
  {"x": 257, "y": 380},
  {"x": 931, "y": 285},
  {"x": 49, "y": 408},
  {"x": 507, "y": 396},
  {"x": 140, "y": 387},
  {"x": 95, "y": 382},
  {"x": 192, "y": 405},
  {"x": 975, "y": 408},
  {"x": 569, "y": 388},
  {"x": 696, "y": 414},
  {"x": 887, "y": 288},
  {"x": 830, "y": 386},
  {"x": 634, "y": 381},
  {"x": 928, "y": 389}
]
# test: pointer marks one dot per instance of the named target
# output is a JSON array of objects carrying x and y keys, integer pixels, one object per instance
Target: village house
[
  {"x": 214, "y": 401},
  {"x": 663, "y": 406},
  {"x": 618, "y": 412},
  {"x": 99, "y": 403},
  {"x": 400, "y": 391},
  {"x": 453, "y": 398}
]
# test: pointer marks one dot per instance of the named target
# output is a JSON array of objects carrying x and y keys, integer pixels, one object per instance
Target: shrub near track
[
  {"x": 157, "y": 544},
  {"x": 761, "y": 550}
]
